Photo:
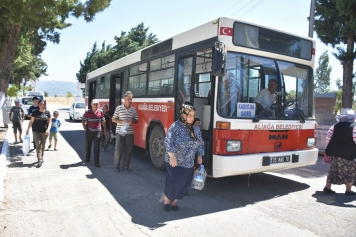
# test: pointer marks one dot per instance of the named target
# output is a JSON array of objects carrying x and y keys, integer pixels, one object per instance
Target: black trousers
[{"x": 91, "y": 137}]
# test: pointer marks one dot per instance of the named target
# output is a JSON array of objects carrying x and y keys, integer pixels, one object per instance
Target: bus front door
[
  {"x": 115, "y": 94},
  {"x": 91, "y": 94},
  {"x": 185, "y": 78}
]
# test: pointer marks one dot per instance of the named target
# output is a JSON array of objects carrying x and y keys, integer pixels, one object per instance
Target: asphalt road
[{"x": 67, "y": 197}]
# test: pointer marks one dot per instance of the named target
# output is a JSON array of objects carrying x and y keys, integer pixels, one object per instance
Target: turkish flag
[{"x": 226, "y": 31}]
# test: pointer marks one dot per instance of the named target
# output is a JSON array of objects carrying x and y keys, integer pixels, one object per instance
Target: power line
[
  {"x": 231, "y": 7},
  {"x": 243, "y": 7},
  {"x": 251, "y": 8}
]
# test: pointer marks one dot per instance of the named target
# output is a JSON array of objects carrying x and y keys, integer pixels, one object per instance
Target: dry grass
[{"x": 60, "y": 100}]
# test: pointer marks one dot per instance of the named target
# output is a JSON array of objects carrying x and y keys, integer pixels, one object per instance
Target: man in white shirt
[
  {"x": 125, "y": 116},
  {"x": 265, "y": 96}
]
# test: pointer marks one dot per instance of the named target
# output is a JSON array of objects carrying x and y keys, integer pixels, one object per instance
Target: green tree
[
  {"x": 339, "y": 91},
  {"x": 12, "y": 91},
  {"x": 96, "y": 58},
  {"x": 335, "y": 24},
  {"x": 69, "y": 95},
  {"x": 322, "y": 74},
  {"x": 137, "y": 38},
  {"x": 26, "y": 65},
  {"x": 38, "y": 22}
]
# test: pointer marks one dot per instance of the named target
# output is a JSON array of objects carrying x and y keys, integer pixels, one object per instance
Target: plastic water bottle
[
  {"x": 123, "y": 129},
  {"x": 199, "y": 177},
  {"x": 26, "y": 145}
]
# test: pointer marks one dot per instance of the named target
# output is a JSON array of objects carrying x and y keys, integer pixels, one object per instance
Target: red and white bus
[{"x": 216, "y": 58}]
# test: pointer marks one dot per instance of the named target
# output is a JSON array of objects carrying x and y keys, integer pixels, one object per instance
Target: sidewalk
[
  {"x": 4, "y": 162},
  {"x": 62, "y": 198}
]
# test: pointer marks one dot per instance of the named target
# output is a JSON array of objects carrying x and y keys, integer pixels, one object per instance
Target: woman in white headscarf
[
  {"x": 183, "y": 143},
  {"x": 341, "y": 150}
]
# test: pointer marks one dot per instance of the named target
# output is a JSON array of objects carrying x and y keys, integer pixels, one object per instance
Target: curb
[{"x": 4, "y": 162}]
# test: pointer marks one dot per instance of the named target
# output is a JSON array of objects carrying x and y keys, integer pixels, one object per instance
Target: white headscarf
[{"x": 348, "y": 116}]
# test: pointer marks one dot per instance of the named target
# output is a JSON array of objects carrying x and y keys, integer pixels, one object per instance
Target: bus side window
[{"x": 167, "y": 89}]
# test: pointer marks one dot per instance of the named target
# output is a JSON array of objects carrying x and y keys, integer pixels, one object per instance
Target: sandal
[
  {"x": 166, "y": 207},
  {"x": 175, "y": 208},
  {"x": 351, "y": 193},
  {"x": 326, "y": 190}
]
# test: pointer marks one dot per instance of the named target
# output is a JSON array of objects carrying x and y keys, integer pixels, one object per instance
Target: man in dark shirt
[
  {"x": 16, "y": 116},
  {"x": 32, "y": 109},
  {"x": 92, "y": 120}
]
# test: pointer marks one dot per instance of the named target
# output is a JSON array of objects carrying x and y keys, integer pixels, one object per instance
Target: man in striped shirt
[
  {"x": 91, "y": 122},
  {"x": 125, "y": 116}
]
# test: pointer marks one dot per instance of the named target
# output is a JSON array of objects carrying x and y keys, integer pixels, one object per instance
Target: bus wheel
[{"x": 157, "y": 147}]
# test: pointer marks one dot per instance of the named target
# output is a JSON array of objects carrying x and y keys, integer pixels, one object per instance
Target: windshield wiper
[
  {"x": 300, "y": 115},
  {"x": 257, "y": 118}
]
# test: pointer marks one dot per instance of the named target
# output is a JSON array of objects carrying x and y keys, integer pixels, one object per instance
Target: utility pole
[{"x": 311, "y": 19}]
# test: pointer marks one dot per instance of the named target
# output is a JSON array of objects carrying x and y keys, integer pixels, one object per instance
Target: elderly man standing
[
  {"x": 125, "y": 116},
  {"x": 92, "y": 120}
]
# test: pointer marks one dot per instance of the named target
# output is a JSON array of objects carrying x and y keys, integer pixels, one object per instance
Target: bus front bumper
[{"x": 257, "y": 163}]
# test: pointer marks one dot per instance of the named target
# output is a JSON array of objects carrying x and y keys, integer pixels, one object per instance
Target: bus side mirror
[{"x": 219, "y": 55}]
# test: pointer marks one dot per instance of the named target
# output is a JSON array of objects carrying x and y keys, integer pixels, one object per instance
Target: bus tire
[{"x": 157, "y": 147}]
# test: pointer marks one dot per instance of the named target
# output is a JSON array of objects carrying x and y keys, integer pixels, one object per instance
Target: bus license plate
[{"x": 280, "y": 159}]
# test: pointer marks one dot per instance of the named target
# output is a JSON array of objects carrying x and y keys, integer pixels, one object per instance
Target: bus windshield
[{"x": 248, "y": 77}]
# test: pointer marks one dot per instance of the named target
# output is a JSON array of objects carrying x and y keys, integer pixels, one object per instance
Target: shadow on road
[
  {"x": 139, "y": 192},
  {"x": 311, "y": 171},
  {"x": 337, "y": 199},
  {"x": 16, "y": 158}
]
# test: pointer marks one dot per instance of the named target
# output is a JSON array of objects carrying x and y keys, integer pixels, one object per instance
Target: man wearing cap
[
  {"x": 32, "y": 109},
  {"x": 17, "y": 116},
  {"x": 92, "y": 120}
]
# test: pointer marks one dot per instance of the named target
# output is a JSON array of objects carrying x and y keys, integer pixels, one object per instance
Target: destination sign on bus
[
  {"x": 271, "y": 126},
  {"x": 246, "y": 110},
  {"x": 158, "y": 108}
]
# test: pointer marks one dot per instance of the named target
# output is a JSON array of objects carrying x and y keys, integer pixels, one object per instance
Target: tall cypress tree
[
  {"x": 335, "y": 24},
  {"x": 322, "y": 74}
]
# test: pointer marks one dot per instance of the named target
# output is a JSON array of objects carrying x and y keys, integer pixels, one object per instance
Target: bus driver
[{"x": 265, "y": 96}]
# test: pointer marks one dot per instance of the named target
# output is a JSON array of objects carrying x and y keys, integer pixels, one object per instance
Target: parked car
[
  {"x": 26, "y": 103},
  {"x": 76, "y": 111}
]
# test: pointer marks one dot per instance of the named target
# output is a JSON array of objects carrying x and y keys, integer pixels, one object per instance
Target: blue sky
[{"x": 168, "y": 18}]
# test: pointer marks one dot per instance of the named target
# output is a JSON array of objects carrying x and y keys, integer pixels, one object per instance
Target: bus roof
[{"x": 200, "y": 33}]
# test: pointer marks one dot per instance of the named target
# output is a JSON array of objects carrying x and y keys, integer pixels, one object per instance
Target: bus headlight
[
  {"x": 311, "y": 141},
  {"x": 233, "y": 146}
]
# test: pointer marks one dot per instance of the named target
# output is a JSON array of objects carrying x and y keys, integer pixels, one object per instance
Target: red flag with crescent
[{"x": 226, "y": 31}]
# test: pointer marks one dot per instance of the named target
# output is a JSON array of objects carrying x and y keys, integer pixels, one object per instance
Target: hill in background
[{"x": 56, "y": 88}]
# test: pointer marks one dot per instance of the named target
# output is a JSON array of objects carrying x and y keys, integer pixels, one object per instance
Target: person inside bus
[
  {"x": 230, "y": 93},
  {"x": 209, "y": 97},
  {"x": 265, "y": 96},
  {"x": 183, "y": 143}
]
